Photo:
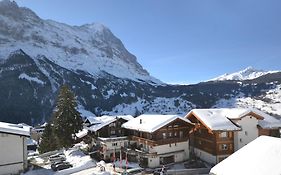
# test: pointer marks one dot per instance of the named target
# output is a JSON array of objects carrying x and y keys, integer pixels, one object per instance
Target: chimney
[{"x": 140, "y": 121}]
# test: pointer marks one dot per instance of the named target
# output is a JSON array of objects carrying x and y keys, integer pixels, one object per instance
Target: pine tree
[
  {"x": 67, "y": 120},
  {"x": 48, "y": 140}
]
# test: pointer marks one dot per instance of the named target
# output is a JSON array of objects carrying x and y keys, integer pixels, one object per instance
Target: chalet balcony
[{"x": 158, "y": 142}]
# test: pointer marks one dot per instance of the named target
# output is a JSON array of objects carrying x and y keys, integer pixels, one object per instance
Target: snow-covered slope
[
  {"x": 91, "y": 47},
  {"x": 247, "y": 74},
  {"x": 269, "y": 102}
]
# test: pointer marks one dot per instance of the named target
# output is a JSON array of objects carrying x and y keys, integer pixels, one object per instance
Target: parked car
[
  {"x": 57, "y": 158},
  {"x": 53, "y": 165},
  {"x": 133, "y": 171},
  {"x": 57, "y": 154},
  {"x": 61, "y": 166}
]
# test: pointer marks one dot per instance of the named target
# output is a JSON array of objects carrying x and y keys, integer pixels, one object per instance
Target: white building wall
[
  {"x": 248, "y": 133},
  {"x": 153, "y": 161},
  {"x": 207, "y": 157},
  {"x": 111, "y": 146},
  {"x": 167, "y": 150},
  {"x": 13, "y": 151}
]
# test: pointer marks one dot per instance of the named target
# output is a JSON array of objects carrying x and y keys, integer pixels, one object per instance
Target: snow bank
[
  {"x": 78, "y": 159},
  {"x": 259, "y": 157}
]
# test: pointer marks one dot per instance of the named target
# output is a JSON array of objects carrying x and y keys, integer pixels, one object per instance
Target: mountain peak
[
  {"x": 92, "y": 48},
  {"x": 251, "y": 69},
  {"x": 245, "y": 74},
  {"x": 11, "y": 9},
  {"x": 96, "y": 26},
  {"x": 8, "y": 3}
]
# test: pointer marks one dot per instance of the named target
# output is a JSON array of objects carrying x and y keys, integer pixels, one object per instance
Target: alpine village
[{"x": 64, "y": 113}]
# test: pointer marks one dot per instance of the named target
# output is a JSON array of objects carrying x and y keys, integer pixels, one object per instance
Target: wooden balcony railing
[{"x": 158, "y": 142}]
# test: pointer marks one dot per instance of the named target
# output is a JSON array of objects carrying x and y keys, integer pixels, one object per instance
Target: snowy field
[{"x": 82, "y": 164}]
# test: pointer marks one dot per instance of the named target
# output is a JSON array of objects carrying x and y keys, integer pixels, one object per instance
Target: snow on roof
[
  {"x": 30, "y": 141},
  {"x": 218, "y": 119},
  {"x": 151, "y": 122},
  {"x": 261, "y": 156},
  {"x": 99, "y": 122},
  {"x": 269, "y": 122},
  {"x": 82, "y": 133},
  {"x": 125, "y": 117},
  {"x": 215, "y": 119},
  {"x": 14, "y": 129}
]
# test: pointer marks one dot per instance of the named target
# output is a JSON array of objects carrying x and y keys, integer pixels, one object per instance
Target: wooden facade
[
  {"x": 112, "y": 129},
  {"x": 269, "y": 132},
  {"x": 213, "y": 142},
  {"x": 176, "y": 131},
  {"x": 216, "y": 143}
]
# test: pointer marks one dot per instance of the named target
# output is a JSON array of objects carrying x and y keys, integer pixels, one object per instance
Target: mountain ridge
[
  {"x": 105, "y": 77},
  {"x": 90, "y": 47},
  {"x": 248, "y": 73}
]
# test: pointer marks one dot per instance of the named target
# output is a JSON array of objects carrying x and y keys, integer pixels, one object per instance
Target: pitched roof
[
  {"x": 261, "y": 156},
  {"x": 99, "y": 122},
  {"x": 214, "y": 119},
  {"x": 14, "y": 129},
  {"x": 221, "y": 119},
  {"x": 82, "y": 133},
  {"x": 151, "y": 122},
  {"x": 269, "y": 122}
]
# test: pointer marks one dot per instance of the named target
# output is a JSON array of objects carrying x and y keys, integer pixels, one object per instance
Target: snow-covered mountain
[
  {"x": 90, "y": 47},
  {"x": 247, "y": 74},
  {"x": 38, "y": 56}
]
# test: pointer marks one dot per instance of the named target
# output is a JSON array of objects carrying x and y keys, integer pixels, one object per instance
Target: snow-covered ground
[
  {"x": 74, "y": 156},
  {"x": 269, "y": 103},
  {"x": 82, "y": 164},
  {"x": 160, "y": 105}
]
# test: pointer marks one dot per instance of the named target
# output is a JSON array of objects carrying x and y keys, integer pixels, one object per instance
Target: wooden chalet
[
  {"x": 158, "y": 139},
  {"x": 220, "y": 132}
]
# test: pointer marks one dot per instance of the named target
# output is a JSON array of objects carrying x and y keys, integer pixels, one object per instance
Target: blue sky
[{"x": 182, "y": 41}]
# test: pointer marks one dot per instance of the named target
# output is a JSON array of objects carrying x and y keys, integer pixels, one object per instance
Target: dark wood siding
[{"x": 176, "y": 131}]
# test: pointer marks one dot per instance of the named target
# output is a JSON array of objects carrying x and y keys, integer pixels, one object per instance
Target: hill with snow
[{"x": 247, "y": 74}]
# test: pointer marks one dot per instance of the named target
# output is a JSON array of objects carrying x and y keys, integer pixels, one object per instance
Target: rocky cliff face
[{"x": 91, "y": 47}]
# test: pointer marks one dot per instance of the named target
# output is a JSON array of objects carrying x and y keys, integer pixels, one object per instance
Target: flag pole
[
  {"x": 126, "y": 161},
  {"x": 120, "y": 159}
]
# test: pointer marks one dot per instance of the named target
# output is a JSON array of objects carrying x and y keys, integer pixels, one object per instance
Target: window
[
  {"x": 175, "y": 134},
  {"x": 114, "y": 144},
  {"x": 175, "y": 144},
  {"x": 170, "y": 134},
  {"x": 170, "y": 145},
  {"x": 112, "y": 132},
  {"x": 181, "y": 134},
  {"x": 175, "y": 126},
  {"x": 164, "y": 135},
  {"x": 223, "y": 134},
  {"x": 246, "y": 133},
  {"x": 223, "y": 147},
  {"x": 240, "y": 139}
]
